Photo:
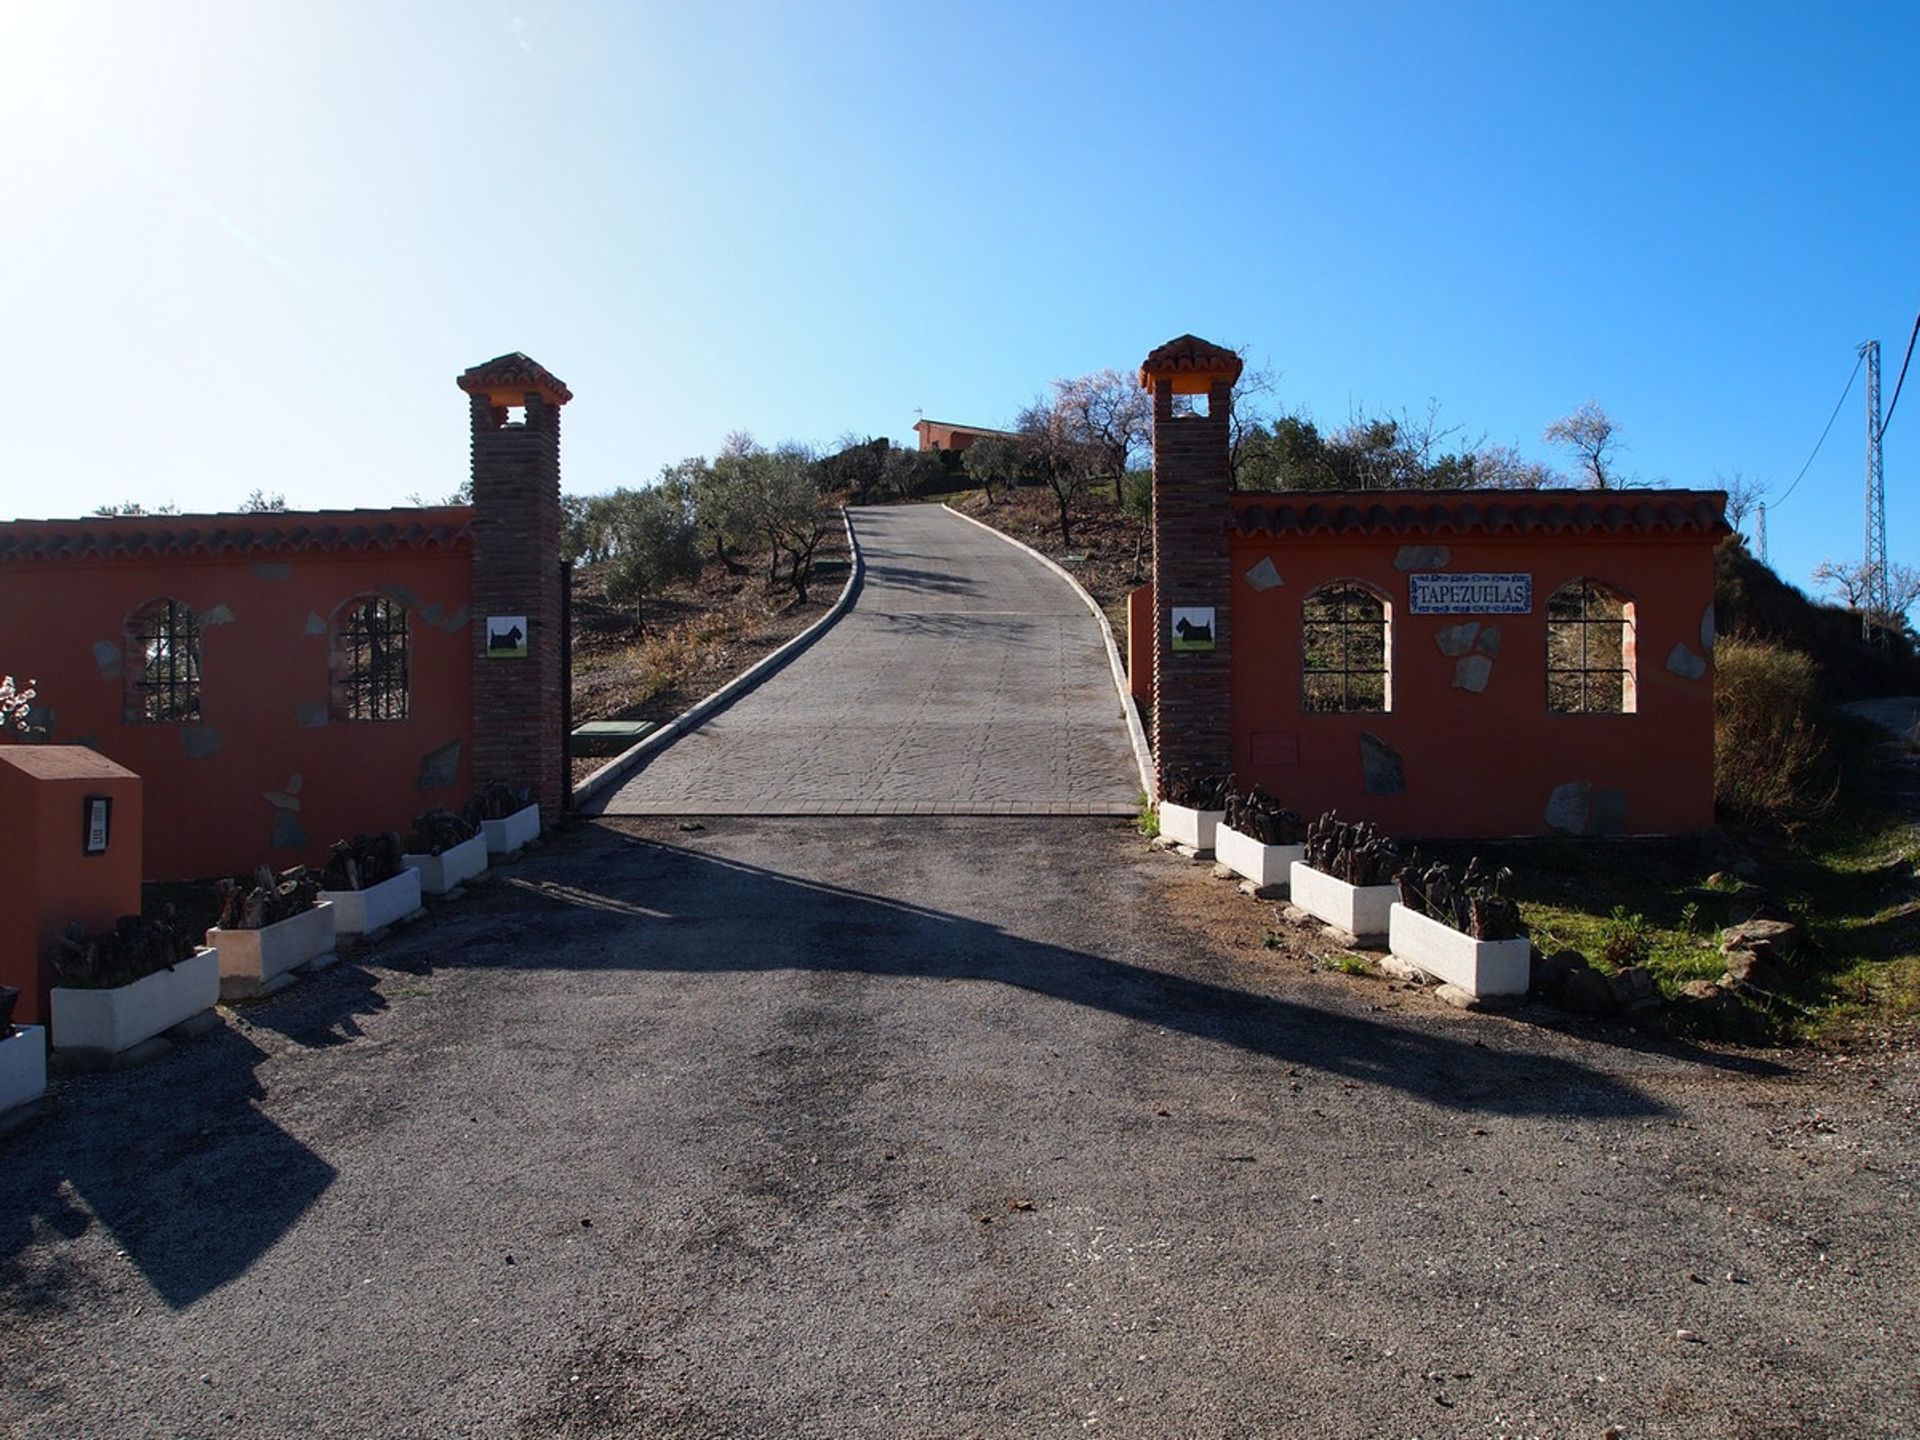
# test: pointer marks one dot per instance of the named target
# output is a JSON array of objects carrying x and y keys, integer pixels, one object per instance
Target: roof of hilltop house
[{"x": 945, "y": 435}]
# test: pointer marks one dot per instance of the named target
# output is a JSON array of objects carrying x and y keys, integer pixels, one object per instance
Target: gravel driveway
[{"x": 941, "y": 1127}]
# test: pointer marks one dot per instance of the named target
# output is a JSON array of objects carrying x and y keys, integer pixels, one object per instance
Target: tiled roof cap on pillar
[
  {"x": 1192, "y": 364},
  {"x": 507, "y": 380}
]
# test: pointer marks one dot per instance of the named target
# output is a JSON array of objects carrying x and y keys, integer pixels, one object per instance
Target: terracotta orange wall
[
  {"x": 50, "y": 881},
  {"x": 935, "y": 436},
  {"x": 209, "y": 813},
  {"x": 1486, "y": 764},
  {"x": 1140, "y": 643}
]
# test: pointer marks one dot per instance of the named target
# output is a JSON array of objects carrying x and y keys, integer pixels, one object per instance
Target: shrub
[
  {"x": 1769, "y": 752},
  {"x": 1627, "y": 939}
]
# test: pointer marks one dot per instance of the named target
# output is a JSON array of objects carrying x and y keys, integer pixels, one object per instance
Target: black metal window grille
[
  {"x": 373, "y": 643},
  {"x": 1344, "y": 650},
  {"x": 1587, "y": 667},
  {"x": 164, "y": 640}
]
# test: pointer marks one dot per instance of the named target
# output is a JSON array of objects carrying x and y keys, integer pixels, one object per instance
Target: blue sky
[{"x": 250, "y": 245}]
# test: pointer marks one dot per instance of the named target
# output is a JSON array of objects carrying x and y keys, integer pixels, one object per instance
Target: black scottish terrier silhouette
[{"x": 1189, "y": 631}]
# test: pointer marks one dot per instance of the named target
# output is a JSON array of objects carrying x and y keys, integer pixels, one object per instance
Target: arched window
[
  {"x": 162, "y": 666},
  {"x": 1344, "y": 649},
  {"x": 369, "y": 660},
  {"x": 1590, "y": 651}
]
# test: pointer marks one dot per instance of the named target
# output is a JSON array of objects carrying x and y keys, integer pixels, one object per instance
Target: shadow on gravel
[
  {"x": 652, "y": 906},
  {"x": 319, "y": 1016},
  {"x": 194, "y": 1184}
]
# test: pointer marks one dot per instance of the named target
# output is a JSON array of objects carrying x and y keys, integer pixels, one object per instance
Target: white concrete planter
[
  {"x": 1480, "y": 967},
  {"x": 1262, "y": 864},
  {"x": 1360, "y": 910},
  {"x": 250, "y": 958},
  {"x": 109, "y": 1021},
  {"x": 451, "y": 867},
  {"x": 510, "y": 834},
  {"x": 23, "y": 1066},
  {"x": 360, "y": 912},
  {"x": 1194, "y": 828}
]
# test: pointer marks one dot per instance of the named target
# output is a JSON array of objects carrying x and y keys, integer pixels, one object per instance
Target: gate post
[
  {"x": 518, "y": 666},
  {"x": 1192, "y": 586}
]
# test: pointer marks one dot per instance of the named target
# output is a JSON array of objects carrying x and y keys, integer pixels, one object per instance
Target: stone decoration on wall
[
  {"x": 438, "y": 767},
  {"x": 1421, "y": 557},
  {"x": 1684, "y": 663},
  {"x": 1455, "y": 640},
  {"x": 1459, "y": 642},
  {"x": 1578, "y": 808},
  {"x": 1265, "y": 575},
  {"x": 107, "y": 656},
  {"x": 1381, "y": 769},
  {"x": 1472, "y": 673}
]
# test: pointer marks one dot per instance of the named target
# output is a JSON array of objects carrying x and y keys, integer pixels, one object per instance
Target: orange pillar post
[{"x": 66, "y": 858}]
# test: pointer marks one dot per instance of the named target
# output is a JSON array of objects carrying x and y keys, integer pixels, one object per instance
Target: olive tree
[
  {"x": 992, "y": 460},
  {"x": 655, "y": 542}
]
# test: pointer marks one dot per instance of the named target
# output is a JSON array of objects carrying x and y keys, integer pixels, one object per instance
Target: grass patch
[
  {"x": 1847, "y": 876},
  {"x": 1148, "y": 817}
]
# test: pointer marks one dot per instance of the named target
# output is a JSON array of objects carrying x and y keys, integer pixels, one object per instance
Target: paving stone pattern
[{"x": 967, "y": 678}]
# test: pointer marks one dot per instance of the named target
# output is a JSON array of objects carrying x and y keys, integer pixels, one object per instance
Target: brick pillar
[
  {"x": 1191, "y": 475},
  {"x": 518, "y": 709}
]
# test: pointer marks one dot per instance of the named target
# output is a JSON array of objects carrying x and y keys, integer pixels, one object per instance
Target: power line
[
  {"x": 1902, "y": 380},
  {"x": 1824, "y": 433}
]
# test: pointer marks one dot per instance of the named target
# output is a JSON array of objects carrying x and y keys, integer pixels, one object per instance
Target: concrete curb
[
  {"x": 1142, "y": 755},
  {"x": 604, "y": 779}
]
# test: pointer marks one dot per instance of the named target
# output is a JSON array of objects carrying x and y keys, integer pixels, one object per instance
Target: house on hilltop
[{"x": 939, "y": 435}]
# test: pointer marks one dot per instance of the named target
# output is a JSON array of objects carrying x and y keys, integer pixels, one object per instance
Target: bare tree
[
  {"x": 1252, "y": 394},
  {"x": 1854, "y": 586},
  {"x": 16, "y": 704},
  {"x": 1501, "y": 467},
  {"x": 1591, "y": 435},
  {"x": 1851, "y": 585},
  {"x": 1109, "y": 416},
  {"x": 260, "y": 503},
  {"x": 1743, "y": 495},
  {"x": 1051, "y": 449}
]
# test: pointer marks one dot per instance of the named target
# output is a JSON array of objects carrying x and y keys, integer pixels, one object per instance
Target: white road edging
[
  {"x": 1142, "y": 755},
  {"x": 616, "y": 769}
]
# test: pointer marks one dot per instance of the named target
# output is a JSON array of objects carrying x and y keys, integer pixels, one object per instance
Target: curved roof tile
[
  {"x": 1189, "y": 355},
  {"x": 165, "y": 536},
  {"x": 514, "y": 372},
  {"x": 1477, "y": 512}
]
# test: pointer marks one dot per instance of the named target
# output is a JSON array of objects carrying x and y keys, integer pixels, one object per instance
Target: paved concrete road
[
  {"x": 937, "y": 1127},
  {"x": 966, "y": 679}
]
